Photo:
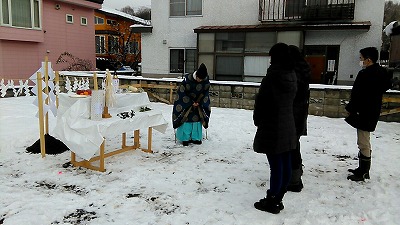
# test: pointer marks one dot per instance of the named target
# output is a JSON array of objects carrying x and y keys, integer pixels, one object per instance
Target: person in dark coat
[
  {"x": 192, "y": 107},
  {"x": 365, "y": 106},
  {"x": 276, "y": 132},
  {"x": 300, "y": 112}
]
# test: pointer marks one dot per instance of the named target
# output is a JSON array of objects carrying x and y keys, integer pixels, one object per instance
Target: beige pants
[{"x": 363, "y": 142}]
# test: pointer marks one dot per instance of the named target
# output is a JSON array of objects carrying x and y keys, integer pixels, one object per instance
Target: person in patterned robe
[{"x": 192, "y": 107}]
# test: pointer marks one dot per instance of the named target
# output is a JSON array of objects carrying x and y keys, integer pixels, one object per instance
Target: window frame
[
  {"x": 186, "y": 11},
  {"x": 132, "y": 47},
  {"x": 96, "y": 20},
  {"x": 69, "y": 16},
  {"x": 113, "y": 44},
  {"x": 102, "y": 46},
  {"x": 35, "y": 15},
  {"x": 185, "y": 61},
  {"x": 84, "y": 19},
  {"x": 111, "y": 22},
  {"x": 248, "y": 47}
]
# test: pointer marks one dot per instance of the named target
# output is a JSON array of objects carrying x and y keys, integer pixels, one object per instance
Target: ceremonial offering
[
  {"x": 97, "y": 104},
  {"x": 87, "y": 92}
]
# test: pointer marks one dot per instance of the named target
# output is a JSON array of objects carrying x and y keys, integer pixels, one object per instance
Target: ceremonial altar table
[{"x": 84, "y": 137}]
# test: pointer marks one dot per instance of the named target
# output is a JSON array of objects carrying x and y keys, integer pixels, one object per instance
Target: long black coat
[
  {"x": 366, "y": 97},
  {"x": 273, "y": 112},
  {"x": 301, "y": 101}
]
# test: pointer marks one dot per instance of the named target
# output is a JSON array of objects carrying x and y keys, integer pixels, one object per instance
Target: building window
[
  {"x": 183, "y": 60},
  {"x": 255, "y": 68},
  {"x": 100, "y": 44},
  {"x": 111, "y": 22},
  {"x": 229, "y": 68},
  {"x": 132, "y": 47},
  {"x": 236, "y": 56},
  {"x": 21, "y": 13},
  {"x": 294, "y": 7},
  {"x": 98, "y": 20},
  {"x": 186, "y": 7},
  {"x": 230, "y": 42},
  {"x": 318, "y": 2},
  {"x": 113, "y": 45},
  {"x": 83, "y": 21},
  {"x": 69, "y": 18},
  {"x": 260, "y": 42}
]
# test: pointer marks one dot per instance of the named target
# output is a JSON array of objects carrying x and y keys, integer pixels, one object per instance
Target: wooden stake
[
  {"x": 106, "y": 114},
  {"x": 57, "y": 83},
  {"x": 41, "y": 116},
  {"x": 46, "y": 78},
  {"x": 95, "y": 86}
]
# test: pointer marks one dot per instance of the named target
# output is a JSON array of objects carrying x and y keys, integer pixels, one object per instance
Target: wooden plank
[
  {"x": 160, "y": 86},
  {"x": 159, "y": 98},
  {"x": 388, "y": 99},
  {"x": 124, "y": 148},
  {"x": 389, "y": 112}
]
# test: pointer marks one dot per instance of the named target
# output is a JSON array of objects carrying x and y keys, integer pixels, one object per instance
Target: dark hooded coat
[
  {"x": 190, "y": 91},
  {"x": 366, "y": 97},
  {"x": 301, "y": 101},
  {"x": 273, "y": 112}
]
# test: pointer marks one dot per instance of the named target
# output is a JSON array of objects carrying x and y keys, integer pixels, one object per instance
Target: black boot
[
  {"x": 296, "y": 184},
  {"x": 362, "y": 172},
  {"x": 269, "y": 204},
  {"x": 358, "y": 169},
  {"x": 279, "y": 198}
]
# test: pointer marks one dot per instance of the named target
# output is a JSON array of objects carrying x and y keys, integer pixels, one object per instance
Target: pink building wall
[{"x": 23, "y": 50}]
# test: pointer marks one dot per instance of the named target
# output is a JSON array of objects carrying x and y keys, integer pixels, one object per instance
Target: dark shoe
[
  {"x": 354, "y": 171},
  {"x": 295, "y": 187},
  {"x": 185, "y": 143},
  {"x": 358, "y": 172},
  {"x": 281, "y": 206},
  {"x": 358, "y": 177},
  {"x": 267, "y": 205},
  {"x": 362, "y": 172},
  {"x": 279, "y": 198},
  {"x": 196, "y": 142}
]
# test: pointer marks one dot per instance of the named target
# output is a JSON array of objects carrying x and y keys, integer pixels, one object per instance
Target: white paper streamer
[
  {"x": 4, "y": 88},
  {"x": 97, "y": 104}
]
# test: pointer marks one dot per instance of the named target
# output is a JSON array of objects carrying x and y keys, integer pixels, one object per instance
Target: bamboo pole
[
  {"x": 106, "y": 114},
  {"x": 41, "y": 117},
  {"x": 95, "y": 86},
  {"x": 57, "y": 83},
  {"x": 46, "y": 79}
]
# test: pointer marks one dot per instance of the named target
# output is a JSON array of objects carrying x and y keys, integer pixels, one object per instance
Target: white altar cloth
[{"x": 84, "y": 136}]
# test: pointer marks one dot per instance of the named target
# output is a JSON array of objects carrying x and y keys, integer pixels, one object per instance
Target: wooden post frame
[
  {"x": 386, "y": 112},
  {"x": 171, "y": 88},
  {"x": 102, "y": 155},
  {"x": 41, "y": 114}
]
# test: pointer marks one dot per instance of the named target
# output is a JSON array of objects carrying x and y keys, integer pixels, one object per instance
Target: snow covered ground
[{"x": 213, "y": 183}]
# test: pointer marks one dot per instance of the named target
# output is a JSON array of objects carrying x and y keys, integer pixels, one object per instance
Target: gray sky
[{"x": 119, "y": 4}]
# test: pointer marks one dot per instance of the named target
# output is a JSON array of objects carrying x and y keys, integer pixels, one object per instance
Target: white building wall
[
  {"x": 178, "y": 32},
  {"x": 351, "y": 41}
]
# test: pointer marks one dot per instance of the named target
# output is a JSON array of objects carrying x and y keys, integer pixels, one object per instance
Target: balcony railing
[{"x": 307, "y": 10}]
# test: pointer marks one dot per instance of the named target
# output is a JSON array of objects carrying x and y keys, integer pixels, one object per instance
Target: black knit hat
[{"x": 202, "y": 71}]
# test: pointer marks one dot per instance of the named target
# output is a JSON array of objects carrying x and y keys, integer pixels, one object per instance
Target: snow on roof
[{"x": 126, "y": 15}]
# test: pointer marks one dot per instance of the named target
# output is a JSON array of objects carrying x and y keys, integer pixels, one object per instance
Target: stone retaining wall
[{"x": 325, "y": 100}]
